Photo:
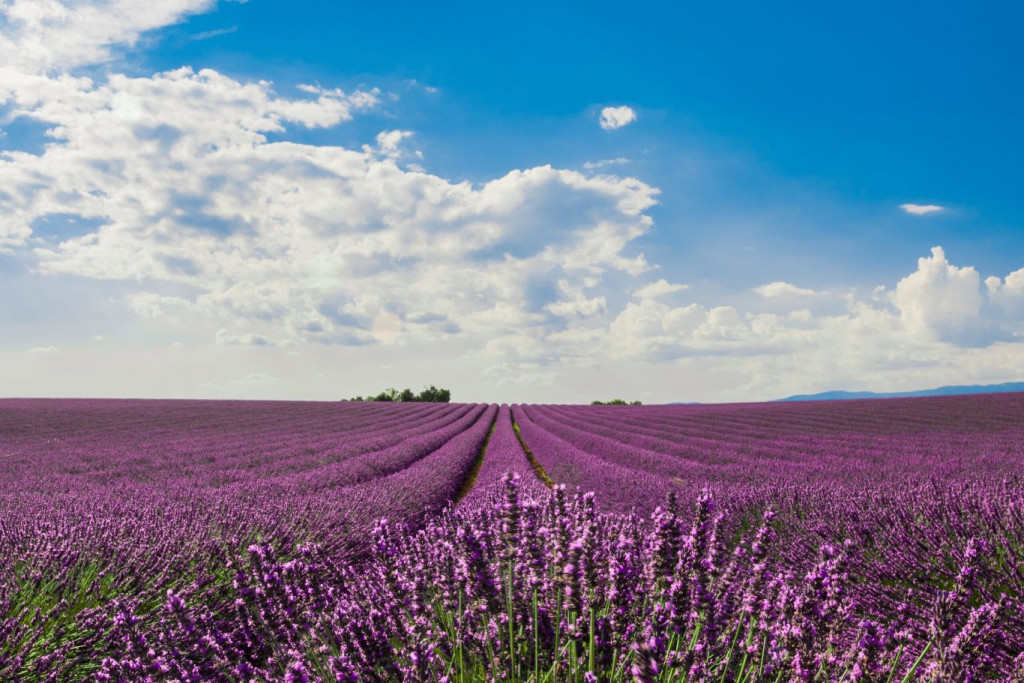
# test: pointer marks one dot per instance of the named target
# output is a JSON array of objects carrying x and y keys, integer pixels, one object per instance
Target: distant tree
[
  {"x": 431, "y": 394},
  {"x": 389, "y": 395},
  {"x": 616, "y": 402},
  {"x": 434, "y": 395}
]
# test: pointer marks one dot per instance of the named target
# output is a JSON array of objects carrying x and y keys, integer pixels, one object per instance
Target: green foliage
[
  {"x": 434, "y": 395},
  {"x": 389, "y": 395},
  {"x": 616, "y": 402},
  {"x": 430, "y": 394}
]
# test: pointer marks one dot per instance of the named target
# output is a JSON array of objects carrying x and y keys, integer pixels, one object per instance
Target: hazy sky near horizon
[{"x": 539, "y": 202}]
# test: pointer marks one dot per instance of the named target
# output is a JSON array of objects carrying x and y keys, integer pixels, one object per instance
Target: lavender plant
[{"x": 176, "y": 541}]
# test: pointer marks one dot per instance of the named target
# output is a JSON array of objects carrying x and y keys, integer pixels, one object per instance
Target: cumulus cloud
[
  {"x": 774, "y": 290},
  {"x": 658, "y": 288},
  {"x": 226, "y": 338},
  {"x": 152, "y": 305},
  {"x": 574, "y": 301},
  {"x": 389, "y": 141},
  {"x": 1007, "y": 294},
  {"x": 149, "y": 151},
  {"x": 189, "y": 193},
  {"x": 181, "y": 195},
  {"x": 42, "y": 35},
  {"x": 934, "y": 327},
  {"x": 940, "y": 299},
  {"x": 654, "y": 330},
  {"x": 617, "y": 117},
  {"x": 921, "y": 209}
]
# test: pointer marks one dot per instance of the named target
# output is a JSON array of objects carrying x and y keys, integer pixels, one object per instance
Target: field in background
[{"x": 113, "y": 508}]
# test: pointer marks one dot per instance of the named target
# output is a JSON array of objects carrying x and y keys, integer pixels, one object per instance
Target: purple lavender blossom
[{"x": 154, "y": 541}]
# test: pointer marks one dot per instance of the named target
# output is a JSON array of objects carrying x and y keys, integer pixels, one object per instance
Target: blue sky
[
  {"x": 492, "y": 233},
  {"x": 855, "y": 108}
]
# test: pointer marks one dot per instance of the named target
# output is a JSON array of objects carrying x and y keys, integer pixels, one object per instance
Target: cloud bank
[
  {"x": 47, "y": 35},
  {"x": 233, "y": 251}
]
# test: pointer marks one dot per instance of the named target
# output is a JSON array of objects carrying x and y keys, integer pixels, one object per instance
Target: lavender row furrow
[
  {"x": 117, "y": 438},
  {"x": 781, "y": 456},
  {"x": 626, "y": 450},
  {"x": 239, "y": 541},
  {"x": 367, "y": 465},
  {"x": 415, "y": 494},
  {"x": 621, "y": 489},
  {"x": 504, "y": 456}
]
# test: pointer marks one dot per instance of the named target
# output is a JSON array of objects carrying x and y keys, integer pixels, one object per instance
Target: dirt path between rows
[{"x": 470, "y": 481}]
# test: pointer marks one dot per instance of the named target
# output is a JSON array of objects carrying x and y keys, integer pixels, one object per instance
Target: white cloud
[
  {"x": 226, "y": 338},
  {"x": 43, "y": 349},
  {"x": 41, "y": 35},
  {"x": 207, "y": 35},
  {"x": 252, "y": 242},
  {"x": 1007, "y": 294},
  {"x": 603, "y": 163},
  {"x": 783, "y": 289},
  {"x": 617, "y": 117},
  {"x": 934, "y": 328},
  {"x": 574, "y": 301},
  {"x": 940, "y": 299},
  {"x": 658, "y": 288},
  {"x": 892, "y": 340},
  {"x": 921, "y": 209},
  {"x": 319, "y": 257},
  {"x": 652, "y": 330},
  {"x": 151, "y": 305},
  {"x": 389, "y": 141}
]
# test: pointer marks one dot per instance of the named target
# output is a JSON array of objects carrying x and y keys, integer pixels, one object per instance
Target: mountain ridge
[{"x": 951, "y": 390}]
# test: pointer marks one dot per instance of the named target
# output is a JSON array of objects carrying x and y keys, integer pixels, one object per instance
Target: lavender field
[{"x": 279, "y": 541}]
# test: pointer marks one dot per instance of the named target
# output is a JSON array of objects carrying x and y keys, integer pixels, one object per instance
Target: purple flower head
[{"x": 296, "y": 670}]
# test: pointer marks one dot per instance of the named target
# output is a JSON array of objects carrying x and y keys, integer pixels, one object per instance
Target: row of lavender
[
  {"x": 910, "y": 489},
  {"x": 547, "y": 588},
  {"x": 850, "y": 543},
  {"x": 107, "y": 508},
  {"x": 880, "y": 552},
  {"x": 210, "y": 442}
]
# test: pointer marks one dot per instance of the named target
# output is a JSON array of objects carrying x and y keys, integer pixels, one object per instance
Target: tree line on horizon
[
  {"x": 431, "y": 394},
  {"x": 434, "y": 394}
]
